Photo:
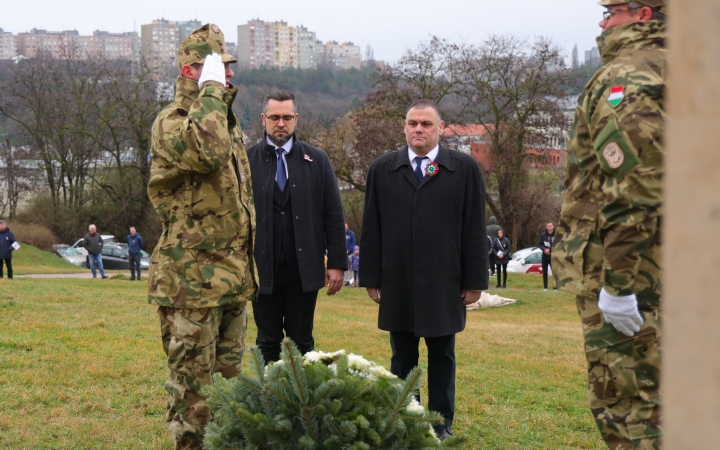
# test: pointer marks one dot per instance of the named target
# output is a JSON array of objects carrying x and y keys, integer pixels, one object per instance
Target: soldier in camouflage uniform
[
  {"x": 607, "y": 249},
  {"x": 202, "y": 272}
]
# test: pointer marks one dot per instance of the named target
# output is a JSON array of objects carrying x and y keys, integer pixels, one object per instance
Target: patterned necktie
[
  {"x": 280, "y": 175},
  {"x": 418, "y": 167}
]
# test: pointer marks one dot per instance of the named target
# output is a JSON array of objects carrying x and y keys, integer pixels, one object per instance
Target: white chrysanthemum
[
  {"x": 358, "y": 362},
  {"x": 312, "y": 356},
  {"x": 415, "y": 406},
  {"x": 381, "y": 373},
  {"x": 432, "y": 431}
]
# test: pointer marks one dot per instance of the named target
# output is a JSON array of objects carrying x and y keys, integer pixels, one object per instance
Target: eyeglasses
[
  {"x": 611, "y": 12},
  {"x": 287, "y": 118}
]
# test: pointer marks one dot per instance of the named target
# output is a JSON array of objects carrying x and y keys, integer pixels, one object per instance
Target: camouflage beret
[
  {"x": 660, "y": 5},
  {"x": 204, "y": 41}
]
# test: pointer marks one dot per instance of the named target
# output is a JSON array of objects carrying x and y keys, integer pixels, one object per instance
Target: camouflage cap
[
  {"x": 660, "y": 5},
  {"x": 204, "y": 41}
]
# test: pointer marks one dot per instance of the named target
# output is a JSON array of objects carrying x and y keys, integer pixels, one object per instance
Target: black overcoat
[
  {"x": 423, "y": 243},
  {"x": 316, "y": 207}
]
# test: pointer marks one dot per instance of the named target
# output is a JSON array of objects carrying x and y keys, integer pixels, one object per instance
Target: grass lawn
[
  {"x": 82, "y": 367},
  {"x": 29, "y": 259}
]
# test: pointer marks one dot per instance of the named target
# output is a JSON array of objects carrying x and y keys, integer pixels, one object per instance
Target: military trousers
[
  {"x": 623, "y": 378},
  {"x": 199, "y": 343}
]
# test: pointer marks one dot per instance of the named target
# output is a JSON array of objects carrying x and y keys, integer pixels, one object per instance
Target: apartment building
[
  {"x": 161, "y": 39},
  {"x": 256, "y": 44},
  {"x": 56, "y": 44},
  {"x": 286, "y": 45},
  {"x": 306, "y": 48},
  {"x": 8, "y": 45},
  {"x": 106, "y": 45},
  {"x": 344, "y": 56}
]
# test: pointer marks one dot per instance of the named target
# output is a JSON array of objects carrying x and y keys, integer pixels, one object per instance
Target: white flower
[
  {"x": 381, "y": 373},
  {"x": 358, "y": 362},
  {"x": 415, "y": 406}
]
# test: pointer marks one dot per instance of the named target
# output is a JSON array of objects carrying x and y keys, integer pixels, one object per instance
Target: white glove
[
  {"x": 213, "y": 70},
  {"x": 500, "y": 254},
  {"x": 621, "y": 312}
]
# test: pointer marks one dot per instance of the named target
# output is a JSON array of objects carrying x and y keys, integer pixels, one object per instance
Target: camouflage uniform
[
  {"x": 202, "y": 272},
  {"x": 609, "y": 231}
]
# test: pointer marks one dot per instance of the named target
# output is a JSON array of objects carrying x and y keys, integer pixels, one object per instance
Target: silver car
[
  {"x": 70, "y": 254},
  {"x": 106, "y": 238}
]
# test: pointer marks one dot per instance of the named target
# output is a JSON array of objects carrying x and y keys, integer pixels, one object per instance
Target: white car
[
  {"x": 527, "y": 260},
  {"x": 106, "y": 238},
  {"x": 70, "y": 254}
]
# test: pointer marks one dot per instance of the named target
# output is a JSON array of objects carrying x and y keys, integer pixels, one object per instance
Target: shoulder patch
[
  {"x": 613, "y": 155},
  {"x": 617, "y": 94}
]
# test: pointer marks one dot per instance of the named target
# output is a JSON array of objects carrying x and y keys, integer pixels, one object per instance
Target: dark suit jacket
[
  {"x": 423, "y": 244},
  {"x": 316, "y": 208}
]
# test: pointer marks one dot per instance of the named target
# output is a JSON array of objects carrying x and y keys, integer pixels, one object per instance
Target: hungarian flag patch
[{"x": 617, "y": 94}]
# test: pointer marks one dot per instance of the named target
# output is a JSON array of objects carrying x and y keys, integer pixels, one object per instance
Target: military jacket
[
  {"x": 609, "y": 230},
  {"x": 200, "y": 186}
]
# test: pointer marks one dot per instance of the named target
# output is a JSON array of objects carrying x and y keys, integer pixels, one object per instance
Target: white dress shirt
[
  {"x": 286, "y": 149},
  {"x": 430, "y": 157}
]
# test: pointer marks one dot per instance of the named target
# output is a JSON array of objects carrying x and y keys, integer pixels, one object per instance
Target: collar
[
  {"x": 432, "y": 154},
  {"x": 624, "y": 39},
  {"x": 286, "y": 147},
  {"x": 444, "y": 158},
  {"x": 187, "y": 91}
]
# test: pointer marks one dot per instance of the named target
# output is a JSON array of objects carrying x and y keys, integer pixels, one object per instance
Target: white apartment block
[
  {"x": 256, "y": 44},
  {"x": 344, "y": 56},
  {"x": 306, "y": 48},
  {"x": 161, "y": 39},
  {"x": 286, "y": 46},
  {"x": 8, "y": 45}
]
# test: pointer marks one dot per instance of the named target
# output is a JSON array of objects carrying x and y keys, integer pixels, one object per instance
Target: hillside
[{"x": 29, "y": 259}]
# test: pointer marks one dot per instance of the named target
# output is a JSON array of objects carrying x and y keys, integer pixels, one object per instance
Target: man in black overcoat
[
  {"x": 425, "y": 250},
  {"x": 299, "y": 216}
]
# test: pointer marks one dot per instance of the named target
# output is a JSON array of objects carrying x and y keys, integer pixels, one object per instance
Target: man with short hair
[
  {"x": 7, "y": 239},
  {"x": 608, "y": 245},
  {"x": 135, "y": 244},
  {"x": 424, "y": 256},
  {"x": 93, "y": 243},
  {"x": 202, "y": 272},
  {"x": 299, "y": 216},
  {"x": 545, "y": 244}
]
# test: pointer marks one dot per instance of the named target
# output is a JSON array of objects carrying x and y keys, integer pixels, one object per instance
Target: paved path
[{"x": 70, "y": 275}]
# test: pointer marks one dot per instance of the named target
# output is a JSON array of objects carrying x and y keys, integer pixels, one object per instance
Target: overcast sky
[{"x": 389, "y": 26}]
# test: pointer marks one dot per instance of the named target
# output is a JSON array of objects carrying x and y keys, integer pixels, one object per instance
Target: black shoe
[
  {"x": 104, "y": 276},
  {"x": 497, "y": 286},
  {"x": 443, "y": 432},
  {"x": 132, "y": 279},
  {"x": 504, "y": 286}
]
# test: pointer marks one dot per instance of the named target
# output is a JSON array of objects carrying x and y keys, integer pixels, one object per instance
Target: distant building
[
  {"x": 286, "y": 45},
  {"x": 343, "y": 56},
  {"x": 306, "y": 48},
  {"x": 8, "y": 45},
  {"x": 57, "y": 44},
  {"x": 161, "y": 39},
  {"x": 231, "y": 48},
  {"x": 256, "y": 44},
  {"x": 575, "y": 57},
  {"x": 103, "y": 44},
  {"x": 592, "y": 56}
]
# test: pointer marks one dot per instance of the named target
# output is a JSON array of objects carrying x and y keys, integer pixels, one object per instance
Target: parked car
[
  {"x": 70, "y": 254},
  {"x": 114, "y": 257},
  {"x": 106, "y": 238},
  {"x": 144, "y": 257},
  {"x": 527, "y": 260}
]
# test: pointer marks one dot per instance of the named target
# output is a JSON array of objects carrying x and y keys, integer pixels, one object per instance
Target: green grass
[
  {"x": 82, "y": 367},
  {"x": 29, "y": 259}
]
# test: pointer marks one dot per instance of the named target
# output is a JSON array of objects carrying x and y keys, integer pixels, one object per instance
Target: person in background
[
  {"x": 135, "y": 244},
  {"x": 492, "y": 232},
  {"x": 501, "y": 255},
  {"x": 545, "y": 244},
  {"x": 7, "y": 239},
  {"x": 355, "y": 264},
  {"x": 350, "y": 246},
  {"x": 93, "y": 243}
]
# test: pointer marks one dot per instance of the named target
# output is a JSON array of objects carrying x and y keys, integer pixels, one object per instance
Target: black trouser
[
  {"x": 492, "y": 265},
  {"x": 501, "y": 268},
  {"x": 441, "y": 367},
  {"x": 8, "y": 263},
  {"x": 287, "y": 309},
  {"x": 135, "y": 265},
  {"x": 546, "y": 262}
]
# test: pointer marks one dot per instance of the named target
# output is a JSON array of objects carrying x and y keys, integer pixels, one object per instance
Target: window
[{"x": 534, "y": 258}]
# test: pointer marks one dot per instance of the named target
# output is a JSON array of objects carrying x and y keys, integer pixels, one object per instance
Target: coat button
[
  {"x": 293, "y": 185},
  {"x": 299, "y": 249},
  {"x": 282, "y": 212},
  {"x": 297, "y": 217}
]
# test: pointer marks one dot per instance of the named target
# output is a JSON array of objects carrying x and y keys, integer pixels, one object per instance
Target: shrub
[
  {"x": 33, "y": 234},
  {"x": 321, "y": 402}
]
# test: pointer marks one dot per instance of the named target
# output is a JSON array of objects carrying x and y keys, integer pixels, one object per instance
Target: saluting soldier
[
  {"x": 202, "y": 272},
  {"x": 607, "y": 249}
]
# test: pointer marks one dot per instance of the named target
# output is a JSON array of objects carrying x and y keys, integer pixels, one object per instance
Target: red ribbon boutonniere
[
  {"x": 307, "y": 158},
  {"x": 432, "y": 169}
]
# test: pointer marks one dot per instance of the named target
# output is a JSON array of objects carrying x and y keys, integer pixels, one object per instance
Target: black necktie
[{"x": 418, "y": 168}]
